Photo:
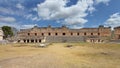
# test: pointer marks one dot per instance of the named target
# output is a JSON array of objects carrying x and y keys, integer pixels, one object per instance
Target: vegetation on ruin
[{"x": 7, "y": 31}]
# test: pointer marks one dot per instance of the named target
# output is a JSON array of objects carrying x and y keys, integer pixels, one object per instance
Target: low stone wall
[
  {"x": 64, "y": 39},
  {"x": 114, "y": 41}
]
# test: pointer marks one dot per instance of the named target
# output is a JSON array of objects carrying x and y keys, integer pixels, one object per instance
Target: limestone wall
[
  {"x": 64, "y": 39},
  {"x": 1, "y": 34},
  {"x": 62, "y": 34},
  {"x": 117, "y": 33}
]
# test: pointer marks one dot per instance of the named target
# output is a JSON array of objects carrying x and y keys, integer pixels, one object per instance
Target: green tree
[{"x": 7, "y": 31}]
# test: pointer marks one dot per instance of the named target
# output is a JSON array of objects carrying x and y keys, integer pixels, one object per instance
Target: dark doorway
[
  {"x": 119, "y": 37},
  {"x": 78, "y": 34},
  {"x": 49, "y": 34},
  {"x": 71, "y": 33},
  {"x": 64, "y": 34},
  {"x": 24, "y": 41},
  {"x": 91, "y": 33},
  {"x": 28, "y": 41},
  {"x": 42, "y": 34},
  {"x": 18, "y": 41},
  {"x": 85, "y": 33},
  {"x": 98, "y": 40},
  {"x": 36, "y": 40},
  {"x": 35, "y": 34},
  {"x": 98, "y": 34},
  {"x": 40, "y": 40},
  {"x": 56, "y": 34},
  {"x": 32, "y": 41}
]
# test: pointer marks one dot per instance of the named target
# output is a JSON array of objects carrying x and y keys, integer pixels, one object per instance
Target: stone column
[{"x": 21, "y": 41}]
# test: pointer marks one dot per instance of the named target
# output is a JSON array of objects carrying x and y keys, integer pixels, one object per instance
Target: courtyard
[{"x": 59, "y": 55}]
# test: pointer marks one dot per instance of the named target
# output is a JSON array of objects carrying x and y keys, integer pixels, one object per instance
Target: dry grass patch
[{"x": 57, "y": 55}]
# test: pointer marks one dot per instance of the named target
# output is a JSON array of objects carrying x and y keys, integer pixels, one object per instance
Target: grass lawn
[{"x": 58, "y": 55}]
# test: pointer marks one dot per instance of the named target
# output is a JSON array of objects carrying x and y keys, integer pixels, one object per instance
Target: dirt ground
[{"x": 57, "y": 55}]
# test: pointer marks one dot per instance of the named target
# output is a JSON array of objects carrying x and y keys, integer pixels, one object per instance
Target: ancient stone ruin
[{"x": 64, "y": 34}]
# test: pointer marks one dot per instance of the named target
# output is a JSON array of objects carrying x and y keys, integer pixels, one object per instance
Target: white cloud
[
  {"x": 11, "y": 11},
  {"x": 32, "y": 17},
  {"x": 72, "y": 15},
  {"x": 36, "y": 19},
  {"x": 6, "y": 10},
  {"x": 9, "y": 1},
  {"x": 21, "y": 26},
  {"x": 34, "y": 9},
  {"x": 75, "y": 21},
  {"x": 20, "y": 6},
  {"x": 91, "y": 9},
  {"x": 114, "y": 20},
  {"x": 29, "y": 16},
  {"x": 76, "y": 26},
  {"x": 28, "y": 26},
  {"x": 7, "y": 19},
  {"x": 102, "y": 1},
  {"x": 9, "y": 24}
]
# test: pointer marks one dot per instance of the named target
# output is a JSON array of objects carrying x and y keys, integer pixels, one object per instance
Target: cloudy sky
[{"x": 72, "y": 13}]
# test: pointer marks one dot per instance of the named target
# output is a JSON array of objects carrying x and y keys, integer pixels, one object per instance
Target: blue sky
[{"x": 72, "y": 13}]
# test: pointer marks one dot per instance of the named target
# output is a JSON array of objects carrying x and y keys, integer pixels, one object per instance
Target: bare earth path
[{"x": 58, "y": 56}]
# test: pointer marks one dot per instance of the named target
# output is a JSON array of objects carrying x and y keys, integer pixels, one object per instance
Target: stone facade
[
  {"x": 64, "y": 34},
  {"x": 117, "y": 33},
  {"x": 1, "y": 34}
]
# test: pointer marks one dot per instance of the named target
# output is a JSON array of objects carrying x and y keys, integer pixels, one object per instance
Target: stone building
[
  {"x": 117, "y": 33},
  {"x": 64, "y": 34},
  {"x": 1, "y": 34}
]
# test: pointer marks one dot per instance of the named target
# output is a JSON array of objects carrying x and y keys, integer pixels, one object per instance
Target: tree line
[{"x": 8, "y": 32}]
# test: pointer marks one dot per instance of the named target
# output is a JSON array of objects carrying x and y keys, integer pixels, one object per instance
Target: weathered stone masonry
[
  {"x": 117, "y": 33},
  {"x": 64, "y": 34},
  {"x": 1, "y": 34}
]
